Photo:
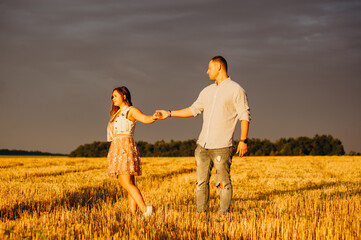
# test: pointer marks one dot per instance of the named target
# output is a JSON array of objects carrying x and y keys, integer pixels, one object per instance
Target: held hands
[
  {"x": 156, "y": 116},
  {"x": 241, "y": 149},
  {"x": 163, "y": 114}
]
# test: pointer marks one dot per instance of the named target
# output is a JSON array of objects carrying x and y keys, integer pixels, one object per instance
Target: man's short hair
[{"x": 221, "y": 60}]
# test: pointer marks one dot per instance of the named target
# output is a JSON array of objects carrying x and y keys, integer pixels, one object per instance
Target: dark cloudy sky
[{"x": 299, "y": 62}]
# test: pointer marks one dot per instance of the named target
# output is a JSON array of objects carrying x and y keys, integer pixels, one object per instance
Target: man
[{"x": 222, "y": 104}]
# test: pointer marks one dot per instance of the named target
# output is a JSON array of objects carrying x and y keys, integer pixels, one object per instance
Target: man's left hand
[{"x": 241, "y": 149}]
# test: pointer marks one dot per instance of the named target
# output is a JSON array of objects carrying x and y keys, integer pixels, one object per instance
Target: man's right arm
[
  {"x": 192, "y": 111},
  {"x": 183, "y": 113}
]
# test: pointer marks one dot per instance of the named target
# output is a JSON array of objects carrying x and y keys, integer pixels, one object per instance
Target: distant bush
[
  {"x": 95, "y": 149},
  {"x": 353, "y": 153},
  {"x": 28, "y": 153},
  {"x": 318, "y": 145},
  {"x": 167, "y": 149}
]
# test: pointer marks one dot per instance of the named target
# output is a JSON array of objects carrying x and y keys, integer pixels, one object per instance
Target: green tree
[{"x": 318, "y": 145}]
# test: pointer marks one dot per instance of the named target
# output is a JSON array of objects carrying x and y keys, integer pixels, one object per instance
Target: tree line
[
  {"x": 318, "y": 145},
  {"x": 28, "y": 153}
]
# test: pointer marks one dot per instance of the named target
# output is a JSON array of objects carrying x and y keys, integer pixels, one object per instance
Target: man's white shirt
[{"x": 222, "y": 106}]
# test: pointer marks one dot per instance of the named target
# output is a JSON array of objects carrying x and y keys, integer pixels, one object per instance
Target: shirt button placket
[{"x": 211, "y": 115}]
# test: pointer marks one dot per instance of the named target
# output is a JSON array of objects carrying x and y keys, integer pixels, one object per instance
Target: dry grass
[{"x": 274, "y": 198}]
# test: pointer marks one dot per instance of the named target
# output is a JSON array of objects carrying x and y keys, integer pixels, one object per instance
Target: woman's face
[{"x": 117, "y": 99}]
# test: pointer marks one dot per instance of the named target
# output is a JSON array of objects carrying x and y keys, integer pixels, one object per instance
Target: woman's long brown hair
[{"x": 123, "y": 91}]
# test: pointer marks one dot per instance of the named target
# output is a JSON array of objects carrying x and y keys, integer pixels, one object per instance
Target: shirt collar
[{"x": 223, "y": 82}]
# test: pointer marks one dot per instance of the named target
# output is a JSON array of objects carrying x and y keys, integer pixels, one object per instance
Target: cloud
[{"x": 60, "y": 60}]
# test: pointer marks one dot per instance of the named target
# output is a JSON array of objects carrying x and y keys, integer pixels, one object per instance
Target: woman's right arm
[{"x": 136, "y": 114}]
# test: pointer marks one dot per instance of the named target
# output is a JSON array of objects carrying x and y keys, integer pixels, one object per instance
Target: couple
[{"x": 222, "y": 104}]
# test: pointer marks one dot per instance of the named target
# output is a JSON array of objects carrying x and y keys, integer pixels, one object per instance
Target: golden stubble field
[{"x": 274, "y": 198}]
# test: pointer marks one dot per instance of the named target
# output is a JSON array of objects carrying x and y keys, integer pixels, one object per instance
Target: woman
[{"x": 123, "y": 156}]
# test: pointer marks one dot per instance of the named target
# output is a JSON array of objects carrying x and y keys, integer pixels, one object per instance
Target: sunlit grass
[{"x": 274, "y": 198}]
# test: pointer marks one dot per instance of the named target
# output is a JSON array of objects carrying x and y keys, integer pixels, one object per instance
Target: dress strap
[
  {"x": 126, "y": 109},
  {"x": 115, "y": 115},
  {"x": 125, "y": 112}
]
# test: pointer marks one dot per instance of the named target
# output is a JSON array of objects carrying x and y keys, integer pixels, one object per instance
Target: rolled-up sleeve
[
  {"x": 241, "y": 104},
  {"x": 198, "y": 106}
]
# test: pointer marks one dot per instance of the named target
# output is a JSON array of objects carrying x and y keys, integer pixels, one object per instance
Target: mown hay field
[{"x": 273, "y": 198}]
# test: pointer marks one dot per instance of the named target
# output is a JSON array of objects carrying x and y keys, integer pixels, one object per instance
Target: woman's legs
[
  {"x": 128, "y": 183},
  {"x": 132, "y": 203}
]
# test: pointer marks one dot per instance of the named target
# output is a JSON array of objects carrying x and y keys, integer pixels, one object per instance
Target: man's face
[{"x": 212, "y": 70}]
